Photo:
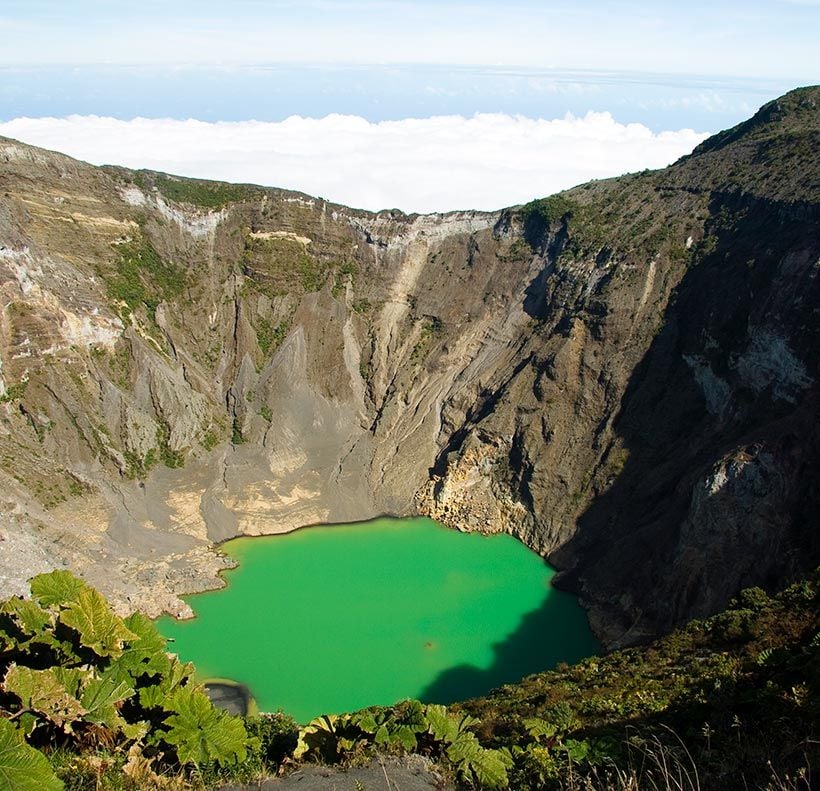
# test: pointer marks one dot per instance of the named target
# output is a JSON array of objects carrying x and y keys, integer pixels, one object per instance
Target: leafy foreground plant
[
  {"x": 75, "y": 676},
  {"x": 408, "y": 726}
]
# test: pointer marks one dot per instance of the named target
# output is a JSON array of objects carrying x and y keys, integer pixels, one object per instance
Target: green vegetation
[
  {"x": 548, "y": 211},
  {"x": 55, "y": 487},
  {"x": 346, "y": 273},
  {"x": 210, "y": 439},
  {"x": 409, "y": 726},
  {"x": 170, "y": 458},
  {"x": 548, "y": 217},
  {"x": 362, "y": 306},
  {"x": 433, "y": 325},
  {"x": 137, "y": 467},
  {"x": 519, "y": 251},
  {"x": 14, "y": 392},
  {"x": 540, "y": 218},
  {"x": 431, "y": 328},
  {"x": 270, "y": 337},
  {"x": 281, "y": 266},
  {"x": 41, "y": 429},
  {"x": 734, "y": 696},
  {"x": 196, "y": 192},
  {"x": 789, "y": 115},
  {"x": 364, "y": 368},
  {"x": 78, "y": 488},
  {"x": 237, "y": 438},
  {"x": 120, "y": 364},
  {"x": 78, "y": 679},
  {"x": 141, "y": 278},
  {"x": 313, "y": 274}
]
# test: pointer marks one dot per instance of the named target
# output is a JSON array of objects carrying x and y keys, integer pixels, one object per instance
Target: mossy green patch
[
  {"x": 14, "y": 392},
  {"x": 196, "y": 192},
  {"x": 270, "y": 336},
  {"x": 141, "y": 278}
]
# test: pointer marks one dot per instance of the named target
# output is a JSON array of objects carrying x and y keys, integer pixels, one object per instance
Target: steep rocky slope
[{"x": 624, "y": 375}]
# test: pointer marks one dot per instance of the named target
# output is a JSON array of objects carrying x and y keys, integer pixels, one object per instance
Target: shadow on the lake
[{"x": 556, "y": 632}]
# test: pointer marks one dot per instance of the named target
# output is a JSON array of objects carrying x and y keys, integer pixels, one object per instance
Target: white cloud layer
[{"x": 433, "y": 164}]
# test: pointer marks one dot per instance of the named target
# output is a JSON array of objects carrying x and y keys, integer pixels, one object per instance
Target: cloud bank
[{"x": 434, "y": 164}]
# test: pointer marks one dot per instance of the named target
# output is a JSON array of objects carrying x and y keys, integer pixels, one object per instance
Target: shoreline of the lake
[{"x": 185, "y": 613}]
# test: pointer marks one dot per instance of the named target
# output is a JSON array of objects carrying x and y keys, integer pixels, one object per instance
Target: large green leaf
[
  {"x": 540, "y": 729},
  {"x": 153, "y": 697},
  {"x": 98, "y": 627},
  {"x": 28, "y": 615},
  {"x": 202, "y": 733},
  {"x": 440, "y": 725},
  {"x": 27, "y": 627},
  {"x": 161, "y": 693},
  {"x": 26, "y": 723},
  {"x": 149, "y": 638},
  {"x": 577, "y": 750},
  {"x": 66, "y": 651},
  {"x": 410, "y": 713},
  {"x": 56, "y": 588},
  {"x": 382, "y": 735},
  {"x": 146, "y": 655},
  {"x": 319, "y": 736},
  {"x": 404, "y": 735},
  {"x": 490, "y": 768},
  {"x": 179, "y": 674},
  {"x": 43, "y": 692},
  {"x": 464, "y": 749},
  {"x": 100, "y": 698},
  {"x": 22, "y": 768},
  {"x": 365, "y": 721},
  {"x": 72, "y": 678},
  {"x": 444, "y": 726},
  {"x": 135, "y": 730}
]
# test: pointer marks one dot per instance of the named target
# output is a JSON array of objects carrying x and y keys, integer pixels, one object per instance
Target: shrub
[{"x": 74, "y": 673}]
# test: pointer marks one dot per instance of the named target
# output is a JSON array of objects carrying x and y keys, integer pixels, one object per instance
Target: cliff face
[{"x": 624, "y": 375}]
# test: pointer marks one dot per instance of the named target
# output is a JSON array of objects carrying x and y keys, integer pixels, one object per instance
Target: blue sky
[
  {"x": 662, "y": 63},
  {"x": 757, "y": 38},
  {"x": 666, "y": 66}
]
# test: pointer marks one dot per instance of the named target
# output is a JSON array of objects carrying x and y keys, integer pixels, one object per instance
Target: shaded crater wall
[
  {"x": 661, "y": 458},
  {"x": 719, "y": 421}
]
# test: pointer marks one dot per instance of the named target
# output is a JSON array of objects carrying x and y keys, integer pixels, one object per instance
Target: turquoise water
[{"x": 332, "y": 619}]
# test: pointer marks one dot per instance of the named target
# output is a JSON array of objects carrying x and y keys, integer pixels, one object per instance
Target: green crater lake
[{"x": 336, "y": 618}]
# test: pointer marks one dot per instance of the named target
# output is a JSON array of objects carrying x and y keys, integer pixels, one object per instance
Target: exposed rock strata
[{"x": 624, "y": 376}]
